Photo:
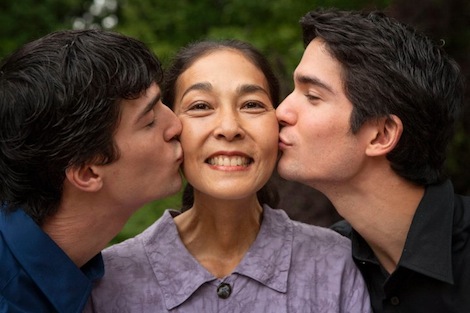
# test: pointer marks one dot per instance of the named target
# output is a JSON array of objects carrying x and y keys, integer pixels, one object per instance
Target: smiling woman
[
  {"x": 229, "y": 249},
  {"x": 230, "y": 119}
]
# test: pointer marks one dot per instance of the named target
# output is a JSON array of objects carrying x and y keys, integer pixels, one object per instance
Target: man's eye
[
  {"x": 312, "y": 97},
  {"x": 151, "y": 124}
]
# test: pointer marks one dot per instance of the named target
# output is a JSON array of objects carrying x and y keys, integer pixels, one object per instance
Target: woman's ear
[
  {"x": 388, "y": 133},
  {"x": 84, "y": 177}
]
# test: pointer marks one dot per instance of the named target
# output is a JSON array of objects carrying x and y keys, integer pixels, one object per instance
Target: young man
[
  {"x": 84, "y": 142},
  {"x": 368, "y": 124}
]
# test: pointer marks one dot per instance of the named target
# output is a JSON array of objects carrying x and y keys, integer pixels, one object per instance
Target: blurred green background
[{"x": 271, "y": 25}]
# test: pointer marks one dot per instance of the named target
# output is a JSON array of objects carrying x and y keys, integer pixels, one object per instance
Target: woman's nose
[{"x": 229, "y": 126}]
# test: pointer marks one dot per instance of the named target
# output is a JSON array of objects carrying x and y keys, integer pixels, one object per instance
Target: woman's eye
[
  {"x": 253, "y": 105},
  {"x": 199, "y": 106}
]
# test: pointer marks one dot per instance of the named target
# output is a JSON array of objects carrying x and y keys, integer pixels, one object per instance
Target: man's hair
[
  {"x": 60, "y": 104},
  {"x": 388, "y": 68},
  {"x": 193, "y": 52}
]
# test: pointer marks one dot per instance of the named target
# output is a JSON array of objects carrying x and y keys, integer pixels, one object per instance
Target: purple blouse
[{"x": 291, "y": 267}]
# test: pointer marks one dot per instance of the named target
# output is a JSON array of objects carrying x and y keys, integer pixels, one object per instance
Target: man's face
[
  {"x": 316, "y": 141},
  {"x": 148, "y": 166}
]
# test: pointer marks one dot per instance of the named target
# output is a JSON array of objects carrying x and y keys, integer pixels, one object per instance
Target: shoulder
[
  {"x": 132, "y": 256},
  {"x": 130, "y": 281},
  {"x": 322, "y": 266},
  {"x": 461, "y": 229},
  {"x": 10, "y": 267},
  {"x": 463, "y": 202},
  {"x": 134, "y": 246},
  {"x": 319, "y": 238},
  {"x": 321, "y": 251},
  {"x": 305, "y": 236},
  {"x": 126, "y": 257},
  {"x": 310, "y": 243},
  {"x": 14, "y": 281}
]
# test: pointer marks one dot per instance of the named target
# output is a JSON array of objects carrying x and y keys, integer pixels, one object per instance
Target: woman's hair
[
  {"x": 190, "y": 54},
  {"x": 60, "y": 103}
]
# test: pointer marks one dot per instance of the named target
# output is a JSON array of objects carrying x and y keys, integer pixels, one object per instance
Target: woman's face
[{"x": 230, "y": 130}]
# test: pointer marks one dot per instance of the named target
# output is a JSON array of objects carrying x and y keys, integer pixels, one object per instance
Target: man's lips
[
  {"x": 283, "y": 143},
  {"x": 179, "y": 155}
]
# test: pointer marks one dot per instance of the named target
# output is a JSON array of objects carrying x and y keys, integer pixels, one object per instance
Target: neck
[
  {"x": 82, "y": 231},
  {"x": 381, "y": 211},
  {"x": 218, "y": 233}
]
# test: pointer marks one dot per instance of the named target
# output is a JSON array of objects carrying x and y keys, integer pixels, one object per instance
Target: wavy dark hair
[
  {"x": 60, "y": 101},
  {"x": 389, "y": 68},
  {"x": 190, "y": 54}
]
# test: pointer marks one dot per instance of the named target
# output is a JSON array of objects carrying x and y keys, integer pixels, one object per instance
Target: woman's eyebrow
[
  {"x": 205, "y": 86},
  {"x": 250, "y": 88}
]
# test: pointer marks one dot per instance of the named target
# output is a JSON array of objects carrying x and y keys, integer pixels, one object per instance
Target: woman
[{"x": 229, "y": 251}]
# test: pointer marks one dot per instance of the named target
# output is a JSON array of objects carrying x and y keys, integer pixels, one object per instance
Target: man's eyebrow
[
  {"x": 205, "y": 86},
  {"x": 303, "y": 79},
  {"x": 150, "y": 105}
]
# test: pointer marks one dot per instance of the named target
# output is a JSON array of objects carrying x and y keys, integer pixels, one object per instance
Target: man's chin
[
  {"x": 285, "y": 171},
  {"x": 171, "y": 188}
]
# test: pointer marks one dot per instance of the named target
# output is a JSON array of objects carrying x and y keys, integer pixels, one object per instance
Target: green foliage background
[{"x": 271, "y": 25}]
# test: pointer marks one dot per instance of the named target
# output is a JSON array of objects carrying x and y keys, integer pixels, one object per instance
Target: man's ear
[
  {"x": 84, "y": 177},
  {"x": 388, "y": 133}
]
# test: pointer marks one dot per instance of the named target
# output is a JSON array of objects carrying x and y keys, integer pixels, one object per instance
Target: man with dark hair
[
  {"x": 84, "y": 142},
  {"x": 368, "y": 124}
]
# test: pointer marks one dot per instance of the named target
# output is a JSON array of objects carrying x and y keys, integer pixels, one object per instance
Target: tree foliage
[
  {"x": 272, "y": 26},
  {"x": 25, "y": 20}
]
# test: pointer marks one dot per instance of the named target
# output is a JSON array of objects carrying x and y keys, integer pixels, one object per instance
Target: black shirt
[{"x": 433, "y": 274}]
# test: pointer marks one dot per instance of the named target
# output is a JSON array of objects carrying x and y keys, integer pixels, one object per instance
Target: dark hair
[
  {"x": 191, "y": 53},
  {"x": 388, "y": 68},
  {"x": 60, "y": 106}
]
